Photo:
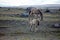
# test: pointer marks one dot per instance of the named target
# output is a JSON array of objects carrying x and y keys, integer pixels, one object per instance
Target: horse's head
[{"x": 35, "y": 12}]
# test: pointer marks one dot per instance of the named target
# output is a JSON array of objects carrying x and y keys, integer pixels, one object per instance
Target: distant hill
[
  {"x": 38, "y": 6},
  {"x": 47, "y": 6}
]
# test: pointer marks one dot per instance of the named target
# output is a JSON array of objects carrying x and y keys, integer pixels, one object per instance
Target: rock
[{"x": 56, "y": 25}]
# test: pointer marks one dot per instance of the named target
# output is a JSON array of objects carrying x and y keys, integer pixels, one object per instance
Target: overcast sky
[{"x": 27, "y": 2}]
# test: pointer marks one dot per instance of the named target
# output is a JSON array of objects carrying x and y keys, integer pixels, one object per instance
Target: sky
[{"x": 7, "y": 3}]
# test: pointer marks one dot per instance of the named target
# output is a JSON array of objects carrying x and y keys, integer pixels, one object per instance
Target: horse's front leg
[
  {"x": 36, "y": 28},
  {"x": 31, "y": 28}
]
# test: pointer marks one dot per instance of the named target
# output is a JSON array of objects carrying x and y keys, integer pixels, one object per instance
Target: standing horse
[{"x": 34, "y": 15}]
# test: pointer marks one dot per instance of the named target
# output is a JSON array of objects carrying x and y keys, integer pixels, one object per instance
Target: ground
[{"x": 17, "y": 28}]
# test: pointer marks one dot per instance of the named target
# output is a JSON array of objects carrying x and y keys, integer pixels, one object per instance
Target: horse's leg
[
  {"x": 31, "y": 28},
  {"x": 36, "y": 27}
]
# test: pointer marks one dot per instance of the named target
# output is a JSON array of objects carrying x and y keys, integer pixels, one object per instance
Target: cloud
[
  {"x": 51, "y": 2},
  {"x": 27, "y": 2}
]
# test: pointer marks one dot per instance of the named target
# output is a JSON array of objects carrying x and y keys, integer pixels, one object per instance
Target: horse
[{"x": 34, "y": 18}]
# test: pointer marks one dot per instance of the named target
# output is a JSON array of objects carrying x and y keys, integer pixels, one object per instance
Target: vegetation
[{"x": 48, "y": 18}]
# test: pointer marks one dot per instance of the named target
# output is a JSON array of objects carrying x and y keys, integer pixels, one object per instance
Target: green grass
[
  {"x": 12, "y": 18},
  {"x": 48, "y": 18}
]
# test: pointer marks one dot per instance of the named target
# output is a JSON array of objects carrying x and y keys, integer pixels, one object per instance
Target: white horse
[{"x": 34, "y": 24}]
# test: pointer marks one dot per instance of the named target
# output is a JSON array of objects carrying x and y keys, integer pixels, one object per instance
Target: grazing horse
[{"x": 34, "y": 18}]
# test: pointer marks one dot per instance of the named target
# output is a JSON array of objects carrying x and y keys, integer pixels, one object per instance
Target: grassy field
[{"x": 18, "y": 24}]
